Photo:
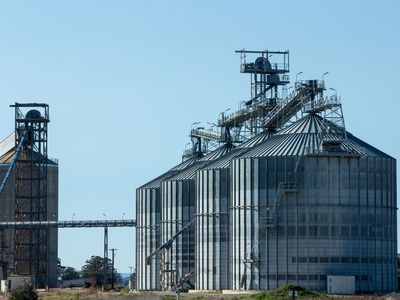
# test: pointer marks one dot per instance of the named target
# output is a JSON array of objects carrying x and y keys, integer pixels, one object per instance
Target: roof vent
[{"x": 331, "y": 146}]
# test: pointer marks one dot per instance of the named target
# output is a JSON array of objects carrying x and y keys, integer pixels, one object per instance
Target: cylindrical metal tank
[
  {"x": 148, "y": 231},
  {"x": 308, "y": 203},
  {"x": 7, "y": 208},
  {"x": 178, "y": 197},
  {"x": 212, "y": 226}
]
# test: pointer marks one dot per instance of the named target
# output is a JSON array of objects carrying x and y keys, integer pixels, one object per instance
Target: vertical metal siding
[{"x": 342, "y": 220}]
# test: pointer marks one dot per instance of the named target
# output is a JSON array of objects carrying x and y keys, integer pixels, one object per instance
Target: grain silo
[
  {"x": 212, "y": 226},
  {"x": 148, "y": 230},
  {"x": 29, "y": 192},
  {"x": 178, "y": 206},
  {"x": 297, "y": 200},
  {"x": 310, "y": 202}
]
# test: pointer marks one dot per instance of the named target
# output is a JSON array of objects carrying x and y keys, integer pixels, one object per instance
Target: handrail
[{"x": 67, "y": 224}]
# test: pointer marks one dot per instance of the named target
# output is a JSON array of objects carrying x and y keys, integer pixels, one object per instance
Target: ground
[{"x": 75, "y": 294}]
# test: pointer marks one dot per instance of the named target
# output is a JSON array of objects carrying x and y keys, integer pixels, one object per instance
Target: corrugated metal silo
[
  {"x": 212, "y": 226},
  {"x": 178, "y": 198},
  {"x": 306, "y": 204},
  {"x": 7, "y": 208},
  {"x": 148, "y": 231}
]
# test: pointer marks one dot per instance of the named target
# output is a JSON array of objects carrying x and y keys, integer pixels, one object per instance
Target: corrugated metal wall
[
  {"x": 212, "y": 229},
  {"x": 178, "y": 208},
  {"x": 147, "y": 237},
  {"x": 341, "y": 220},
  {"x": 7, "y": 208}
]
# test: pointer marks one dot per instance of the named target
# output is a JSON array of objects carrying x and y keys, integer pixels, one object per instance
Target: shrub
[{"x": 24, "y": 292}]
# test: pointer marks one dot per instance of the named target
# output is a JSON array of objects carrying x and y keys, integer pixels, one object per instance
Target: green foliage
[
  {"x": 24, "y": 292},
  {"x": 283, "y": 293},
  {"x": 95, "y": 266},
  {"x": 70, "y": 273}
]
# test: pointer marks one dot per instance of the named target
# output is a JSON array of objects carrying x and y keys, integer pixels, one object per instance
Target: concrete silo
[{"x": 308, "y": 203}]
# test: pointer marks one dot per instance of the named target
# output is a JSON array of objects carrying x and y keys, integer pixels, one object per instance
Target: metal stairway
[{"x": 286, "y": 109}]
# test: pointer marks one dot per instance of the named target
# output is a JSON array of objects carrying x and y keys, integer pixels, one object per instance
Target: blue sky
[{"x": 126, "y": 79}]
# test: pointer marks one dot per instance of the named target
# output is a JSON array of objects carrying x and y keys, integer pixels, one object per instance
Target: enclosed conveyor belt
[
  {"x": 285, "y": 110},
  {"x": 16, "y": 155},
  {"x": 168, "y": 243}
]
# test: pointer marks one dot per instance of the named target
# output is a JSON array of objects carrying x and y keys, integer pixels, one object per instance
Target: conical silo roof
[
  {"x": 304, "y": 136},
  {"x": 223, "y": 161},
  {"x": 156, "y": 182},
  {"x": 190, "y": 172}
]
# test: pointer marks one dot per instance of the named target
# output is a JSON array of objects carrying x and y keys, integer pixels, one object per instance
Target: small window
[
  {"x": 313, "y": 231},
  {"x": 345, "y": 260},
  {"x": 302, "y": 277},
  {"x": 312, "y": 277},
  {"x": 372, "y": 231},
  {"x": 313, "y": 260},
  {"x": 302, "y": 260},
  {"x": 372, "y": 260},
  {"x": 355, "y": 260},
  {"x": 354, "y": 231},
  {"x": 364, "y": 232},
  {"x": 334, "y": 231},
  {"x": 291, "y": 231},
  {"x": 302, "y": 231},
  {"x": 323, "y": 231},
  {"x": 364, "y": 260},
  {"x": 345, "y": 231},
  {"x": 335, "y": 260},
  {"x": 324, "y": 260}
]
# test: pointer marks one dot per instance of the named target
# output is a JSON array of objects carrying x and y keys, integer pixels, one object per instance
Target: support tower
[{"x": 30, "y": 249}]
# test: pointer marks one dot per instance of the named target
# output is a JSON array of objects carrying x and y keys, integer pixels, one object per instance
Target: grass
[{"x": 283, "y": 293}]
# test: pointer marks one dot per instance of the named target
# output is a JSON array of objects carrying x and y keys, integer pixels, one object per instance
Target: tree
[
  {"x": 60, "y": 269},
  {"x": 95, "y": 266},
  {"x": 70, "y": 273},
  {"x": 24, "y": 292}
]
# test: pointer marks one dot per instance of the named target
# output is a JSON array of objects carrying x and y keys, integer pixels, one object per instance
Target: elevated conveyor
[
  {"x": 286, "y": 109},
  {"x": 11, "y": 166},
  {"x": 168, "y": 243}
]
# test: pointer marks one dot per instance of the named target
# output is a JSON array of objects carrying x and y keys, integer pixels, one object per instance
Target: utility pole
[
  {"x": 130, "y": 279},
  {"x": 105, "y": 277},
  {"x": 112, "y": 267}
]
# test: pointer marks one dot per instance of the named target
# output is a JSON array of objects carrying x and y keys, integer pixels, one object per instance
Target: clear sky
[{"x": 126, "y": 79}]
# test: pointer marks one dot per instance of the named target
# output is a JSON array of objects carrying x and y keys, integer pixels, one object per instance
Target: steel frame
[{"x": 30, "y": 245}]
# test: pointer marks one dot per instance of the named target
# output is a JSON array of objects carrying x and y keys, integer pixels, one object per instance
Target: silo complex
[{"x": 289, "y": 197}]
